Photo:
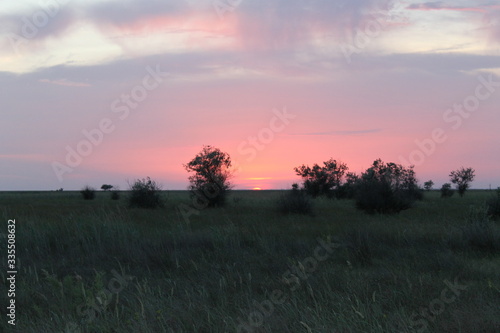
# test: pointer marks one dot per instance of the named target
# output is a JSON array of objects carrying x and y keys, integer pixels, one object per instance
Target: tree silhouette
[
  {"x": 321, "y": 180},
  {"x": 428, "y": 185},
  {"x": 210, "y": 179},
  {"x": 106, "y": 187},
  {"x": 462, "y": 178}
]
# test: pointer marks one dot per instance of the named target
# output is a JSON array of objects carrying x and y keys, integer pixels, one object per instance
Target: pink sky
[{"x": 276, "y": 84}]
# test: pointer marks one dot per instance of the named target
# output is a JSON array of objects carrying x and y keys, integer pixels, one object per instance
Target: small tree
[
  {"x": 428, "y": 185},
  {"x": 88, "y": 192},
  {"x": 446, "y": 190},
  {"x": 321, "y": 180},
  {"x": 145, "y": 193},
  {"x": 211, "y": 173},
  {"x": 462, "y": 178},
  {"x": 106, "y": 187}
]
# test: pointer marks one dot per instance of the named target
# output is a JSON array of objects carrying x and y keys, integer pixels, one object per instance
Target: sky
[{"x": 110, "y": 91}]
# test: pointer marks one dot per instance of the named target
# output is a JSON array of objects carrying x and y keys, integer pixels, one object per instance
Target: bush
[
  {"x": 145, "y": 193},
  {"x": 387, "y": 188},
  {"x": 494, "y": 205},
  {"x": 295, "y": 201},
  {"x": 88, "y": 193},
  {"x": 428, "y": 185},
  {"x": 446, "y": 191},
  {"x": 115, "y": 195},
  {"x": 378, "y": 197}
]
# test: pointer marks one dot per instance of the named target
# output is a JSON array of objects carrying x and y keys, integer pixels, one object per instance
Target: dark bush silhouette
[
  {"x": 387, "y": 188},
  {"x": 428, "y": 185},
  {"x": 115, "y": 195},
  {"x": 462, "y": 178},
  {"x": 88, "y": 193},
  {"x": 295, "y": 201},
  {"x": 322, "y": 180},
  {"x": 145, "y": 193},
  {"x": 210, "y": 182},
  {"x": 447, "y": 191}
]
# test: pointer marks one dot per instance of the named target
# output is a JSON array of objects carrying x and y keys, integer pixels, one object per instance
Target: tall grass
[{"x": 207, "y": 276}]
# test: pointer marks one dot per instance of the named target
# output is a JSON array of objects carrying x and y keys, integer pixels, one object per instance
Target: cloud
[
  {"x": 431, "y": 62},
  {"x": 441, "y": 5},
  {"x": 344, "y": 133},
  {"x": 256, "y": 25},
  {"x": 489, "y": 9},
  {"x": 65, "y": 82},
  {"x": 287, "y": 24}
]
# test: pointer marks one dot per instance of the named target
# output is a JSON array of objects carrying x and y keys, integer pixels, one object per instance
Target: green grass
[{"x": 207, "y": 274}]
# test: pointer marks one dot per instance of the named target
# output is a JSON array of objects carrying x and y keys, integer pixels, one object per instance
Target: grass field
[{"x": 98, "y": 266}]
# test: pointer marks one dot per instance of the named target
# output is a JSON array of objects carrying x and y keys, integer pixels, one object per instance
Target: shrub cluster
[
  {"x": 115, "y": 195},
  {"x": 88, "y": 193},
  {"x": 145, "y": 193},
  {"x": 447, "y": 191},
  {"x": 387, "y": 188}
]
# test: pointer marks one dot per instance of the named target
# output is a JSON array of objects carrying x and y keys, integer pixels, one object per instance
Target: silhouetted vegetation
[
  {"x": 115, "y": 195},
  {"x": 106, "y": 187},
  {"x": 322, "y": 180},
  {"x": 88, "y": 193},
  {"x": 462, "y": 178},
  {"x": 145, "y": 193},
  {"x": 428, "y": 185},
  {"x": 295, "y": 201},
  {"x": 210, "y": 182},
  {"x": 447, "y": 191},
  {"x": 347, "y": 189},
  {"x": 387, "y": 188}
]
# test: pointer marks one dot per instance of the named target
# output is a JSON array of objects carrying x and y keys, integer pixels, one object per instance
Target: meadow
[{"x": 99, "y": 266}]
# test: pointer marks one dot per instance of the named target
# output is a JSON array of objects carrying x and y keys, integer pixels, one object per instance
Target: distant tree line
[{"x": 382, "y": 188}]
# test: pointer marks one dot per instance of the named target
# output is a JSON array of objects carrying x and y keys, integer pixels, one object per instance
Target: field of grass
[{"x": 98, "y": 266}]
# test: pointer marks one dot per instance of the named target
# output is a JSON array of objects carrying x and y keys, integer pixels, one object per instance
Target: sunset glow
[{"x": 110, "y": 91}]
